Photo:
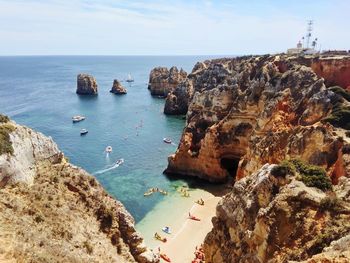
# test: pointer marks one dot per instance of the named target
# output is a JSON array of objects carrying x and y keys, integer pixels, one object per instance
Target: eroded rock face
[
  {"x": 178, "y": 99},
  {"x": 162, "y": 80},
  {"x": 251, "y": 110},
  {"x": 118, "y": 88},
  {"x": 86, "y": 85},
  {"x": 52, "y": 211},
  {"x": 269, "y": 218}
]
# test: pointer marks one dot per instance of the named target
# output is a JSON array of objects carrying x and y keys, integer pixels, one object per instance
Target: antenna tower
[{"x": 309, "y": 31}]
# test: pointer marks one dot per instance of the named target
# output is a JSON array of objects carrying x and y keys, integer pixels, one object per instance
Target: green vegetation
[
  {"x": 5, "y": 143},
  {"x": 311, "y": 175},
  {"x": 283, "y": 169},
  {"x": 332, "y": 204},
  {"x": 341, "y": 92},
  {"x": 4, "y": 118},
  {"x": 340, "y": 115}
]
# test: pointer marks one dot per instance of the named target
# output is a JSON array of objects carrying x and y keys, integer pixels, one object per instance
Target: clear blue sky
[{"x": 158, "y": 27}]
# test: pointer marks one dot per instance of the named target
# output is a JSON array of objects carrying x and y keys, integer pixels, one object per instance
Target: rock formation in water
[
  {"x": 118, "y": 88},
  {"x": 270, "y": 216},
  {"x": 162, "y": 80},
  {"x": 52, "y": 211},
  {"x": 86, "y": 85},
  {"x": 249, "y": 111}
]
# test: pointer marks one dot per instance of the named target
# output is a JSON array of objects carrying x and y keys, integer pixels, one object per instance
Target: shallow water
[{"x": 40, "y": 92}]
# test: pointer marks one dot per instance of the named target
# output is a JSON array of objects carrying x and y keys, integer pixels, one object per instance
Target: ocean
[{"x": 39, "y": 92}]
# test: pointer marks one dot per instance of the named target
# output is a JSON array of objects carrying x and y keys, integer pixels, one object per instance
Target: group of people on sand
[{"x": 199, "y": 255}]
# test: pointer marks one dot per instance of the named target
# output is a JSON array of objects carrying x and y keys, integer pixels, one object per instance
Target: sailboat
[{"x": 129, "y": 79}]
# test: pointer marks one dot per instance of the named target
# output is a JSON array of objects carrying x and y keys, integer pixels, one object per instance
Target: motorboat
[
  {"x": 119, "y": 161},
  {"x": 83, "y": 131},
  {"x": 129, "y": 79},
  {"x": 77, "y": 118},
  {"x": 167, "y": 140},
  {"x": 109, "y": 149}
]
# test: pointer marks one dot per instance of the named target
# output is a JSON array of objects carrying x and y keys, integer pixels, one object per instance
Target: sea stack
[
  {"x": 86, "y": 85},
  {"x": 118, "y": 88},
  {"x": 162, "y": 80}
]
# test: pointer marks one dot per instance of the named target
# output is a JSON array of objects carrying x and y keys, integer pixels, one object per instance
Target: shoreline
[{"x": 185, "y": 234}]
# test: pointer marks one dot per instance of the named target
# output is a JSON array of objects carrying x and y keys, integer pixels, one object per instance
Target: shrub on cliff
[
  {"x": 332, "y": 204},
  {"x": 311, "y": 175},
  {"x": 340, "y": 116},
  {"x": 341, "y": 92},
  {"x": 5, "y": 143},
  {"x": 4, "y": 118},
  {"x": 283, "y": 169}
]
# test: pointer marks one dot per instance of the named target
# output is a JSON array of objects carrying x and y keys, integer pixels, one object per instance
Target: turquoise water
[{"x": 40, "y": 92}]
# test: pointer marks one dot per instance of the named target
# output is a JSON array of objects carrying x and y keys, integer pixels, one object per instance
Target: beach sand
[{"x": 186, "y": 234}]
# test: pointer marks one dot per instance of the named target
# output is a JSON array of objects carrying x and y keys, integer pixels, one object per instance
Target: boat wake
[{"x": 114, "y": 166}]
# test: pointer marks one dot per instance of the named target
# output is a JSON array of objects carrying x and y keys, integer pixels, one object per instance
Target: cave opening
[{"x": 230, "y": 164}]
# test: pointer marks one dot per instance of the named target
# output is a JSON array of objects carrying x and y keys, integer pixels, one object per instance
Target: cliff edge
[{"x": 53, "y": 211}]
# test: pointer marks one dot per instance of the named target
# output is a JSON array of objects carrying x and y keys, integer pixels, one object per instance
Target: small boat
[
  {"x": 77, "y": 118},
  {"x": 109, "y": 149},
  {"x": 129, "y": 79},
  {"x": 119, "y": 161},
  {"x": 158, "y": 237},
  {"x": 166, "y": 230},
  {"x": 164, "y": 257},
  {"x": 83, "y": 131},
  {"x": 166, "y": 140},
  {"x": 193, "y": 217},
  {"x": 148, "y": 193}
]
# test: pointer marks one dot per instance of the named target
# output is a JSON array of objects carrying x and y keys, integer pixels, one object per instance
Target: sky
[{"x": 165, "y": 27}]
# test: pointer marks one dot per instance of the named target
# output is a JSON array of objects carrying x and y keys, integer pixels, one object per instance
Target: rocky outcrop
[
  {"x": 272, "y": 217},
  {"x": 162, "y": 80},
  {"x": 248, "y": 111},
  {"x": 118, "y": 88},
  {"x": 177, "y": 101},
  {"x": 86, "y": 85},
  {"x": 52, "y": 211}
]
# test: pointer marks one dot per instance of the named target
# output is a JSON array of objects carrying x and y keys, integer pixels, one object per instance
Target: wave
[{"x": 114, "y": 166}]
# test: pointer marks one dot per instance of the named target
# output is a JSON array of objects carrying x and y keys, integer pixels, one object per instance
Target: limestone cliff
[
  {"x": 163, "y": 80},
  {"x": 52, "y": 211},
  {"x": 272, "y": 217},
  {"x": 248, "y": 111}
]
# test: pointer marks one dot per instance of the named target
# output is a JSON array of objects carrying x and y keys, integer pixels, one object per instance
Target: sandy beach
[{"x": 185, "y": 234}]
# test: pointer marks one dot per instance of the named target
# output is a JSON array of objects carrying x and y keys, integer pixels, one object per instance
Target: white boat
[
  {"x": 78, "y": 118},
  {"x": 129, "y": 79},
  {"x": 119, "y": 161},
  {"x": 83, "y": 131},
  {"x": 166, "y": 140},
  {"x": 109, "y": 149}
]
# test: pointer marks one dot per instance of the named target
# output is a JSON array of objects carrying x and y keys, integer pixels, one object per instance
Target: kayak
[
  {"x": 194, "y": 218},
  {"x": 165, "y": 257}
]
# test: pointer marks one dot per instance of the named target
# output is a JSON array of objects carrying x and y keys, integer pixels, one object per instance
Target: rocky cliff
[
  {"x": 52, "y": 211},
  {"x": 270, "y": 216},
  {"x": 86, "y": 85},
  {"x": 118, "y": 88},
  {"x": 163, "y": 80},
  {"x": 249, "y": 111}
]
